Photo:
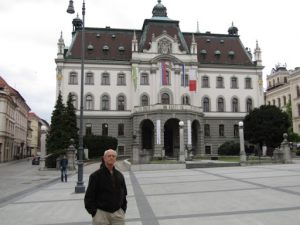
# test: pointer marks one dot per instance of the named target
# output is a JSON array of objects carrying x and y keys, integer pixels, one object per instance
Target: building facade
[
  {"x": 34, "y": 134},
  {"x": 13, "y": 123},
  {"x": 138, "y": 84},
  {"x": 283, "y": 86}
]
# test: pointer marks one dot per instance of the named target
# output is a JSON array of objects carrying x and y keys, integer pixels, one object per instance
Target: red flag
[{"x": 192, "y": 80}]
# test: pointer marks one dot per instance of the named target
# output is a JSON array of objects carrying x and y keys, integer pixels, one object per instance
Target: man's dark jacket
[{"x": 105, "y": 191}]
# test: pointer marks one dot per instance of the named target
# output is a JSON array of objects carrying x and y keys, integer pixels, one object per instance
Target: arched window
[
  {"x": 105, "y": 102},
  {"x": 144, "y": 100},
  {"x": 74, "y": 100},
  {"x": 89, "y": 102},
  {"x": 220, "y": 105},
  {"x": 121, "y": 102},
  {"x": 165, "y": 98},
  {"x": 206, "y": 104},
  {"x": 249, "y": 105},
  {"x": 235, "y": 105}
]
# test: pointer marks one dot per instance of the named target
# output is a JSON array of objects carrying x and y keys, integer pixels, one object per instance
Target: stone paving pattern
[{"x": 247, "y": 195}]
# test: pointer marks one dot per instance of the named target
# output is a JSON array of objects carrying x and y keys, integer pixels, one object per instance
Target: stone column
[
  {"x": 286, "y": 149},
  {"x": 71, "y": 156},
  {"x": 181, "y": 144},
  {"x": 242, "y": 145},
  {"x": 43, "y": 148},
  {"x": 158, "y": 149}
]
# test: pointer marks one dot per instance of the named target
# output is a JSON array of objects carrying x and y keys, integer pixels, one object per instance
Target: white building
[{"x": 136, "y": 84}]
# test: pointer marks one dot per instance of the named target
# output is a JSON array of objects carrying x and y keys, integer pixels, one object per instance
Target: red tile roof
[{"x": 98, "y": 38}]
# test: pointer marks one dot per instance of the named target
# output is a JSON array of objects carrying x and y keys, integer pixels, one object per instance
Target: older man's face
[{"x": 110, "y": 158}]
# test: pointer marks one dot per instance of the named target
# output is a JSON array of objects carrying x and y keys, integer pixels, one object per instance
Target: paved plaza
[{"x": 247, "y": 195}]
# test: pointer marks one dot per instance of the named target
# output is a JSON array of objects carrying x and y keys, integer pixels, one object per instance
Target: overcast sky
[{"x": 30, "y": 30}]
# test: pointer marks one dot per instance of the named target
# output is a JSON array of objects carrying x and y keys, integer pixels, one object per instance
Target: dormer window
[
  {"x": 218, "y": 53},
  {"x": 90, "y": 47},
  {"x": 203, "y": 53},
  {"x": 105, "y": 49},
  {"x": 231, "y": 54},
  {"x": 121, "y": 49}
]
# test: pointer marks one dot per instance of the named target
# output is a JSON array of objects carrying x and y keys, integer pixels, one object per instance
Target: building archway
[
  {"x": 171, "y": 137},
  {"x": 195, "y": 136},
  {"x": 147, "y": 130}
]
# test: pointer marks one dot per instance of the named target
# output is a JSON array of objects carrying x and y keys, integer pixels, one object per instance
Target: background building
[
  {"x": 284, "y": 87},
  {"x": 138, "y": 84},
  {"x": 13, "y": 123}
]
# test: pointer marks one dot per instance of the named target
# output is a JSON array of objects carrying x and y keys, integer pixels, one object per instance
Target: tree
[
  {"x": 56, "y": 137},
  {"x": 293, "y": 137},
  {"x": 70, "y": 121},
  {"x": 266, "y": 125}
]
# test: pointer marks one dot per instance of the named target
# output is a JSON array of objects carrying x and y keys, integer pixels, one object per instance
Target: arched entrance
[
  {"x": 171, "y": 138},
  {"x": 195, "y": 136},
  {"x": 147, "y": 129}
]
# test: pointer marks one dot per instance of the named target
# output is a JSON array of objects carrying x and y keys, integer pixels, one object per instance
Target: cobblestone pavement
[{"x": 247, "y": 195}]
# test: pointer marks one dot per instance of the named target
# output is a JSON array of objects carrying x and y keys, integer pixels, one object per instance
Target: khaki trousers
[{"x": 107, "y": 218}]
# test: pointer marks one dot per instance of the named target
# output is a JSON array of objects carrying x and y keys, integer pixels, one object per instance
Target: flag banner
[
  {"x": 193, "y": 80},
  {"x": 184, "y": 84},
  {"x": 134, "y": 73},
  {"x": 164, "y": 73}
]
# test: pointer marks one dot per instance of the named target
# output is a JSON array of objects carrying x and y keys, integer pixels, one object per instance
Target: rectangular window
[
  {"x": 185, "y": 80},
  {"x": 207, "y": 149},
  {"x": 220, "y": 82},
  {"x": 206, "y": 130},
  {"x": 144, "y": 79},
  {"x": 236, "y": 130},
  {"x": 104, "y": 129},
  {"x": 105, "y": 79},
  {"x": 121, "y": 129},
  {"x": 248, "y": 83},
  {"x": 88, "y": 129},
  {"x": 205, "y": 82},
  {"x": 234, "y": 82},
  {"x": 121, "y": 150},
  {"x": 73, "y": 78},
  {"x": 89, "y": 79},
  {"x": 121, "y": 79},
  {"x": 221, "y": 130}
]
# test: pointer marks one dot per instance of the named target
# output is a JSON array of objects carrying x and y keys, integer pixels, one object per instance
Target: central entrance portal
[{"x": 171, "y": 138}]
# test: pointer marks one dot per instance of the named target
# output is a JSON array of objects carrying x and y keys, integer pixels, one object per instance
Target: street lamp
[
  {"x": 242, "y": 146},
  {"x": 80, "y": 188}
]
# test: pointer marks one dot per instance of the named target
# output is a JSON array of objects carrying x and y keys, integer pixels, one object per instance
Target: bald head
[
  {"x": 110, "y": 157},
  {"x": 110, "y": 151}
]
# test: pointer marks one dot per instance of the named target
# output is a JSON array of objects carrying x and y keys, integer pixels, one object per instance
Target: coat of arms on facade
[{"x": 164, "y": 46}]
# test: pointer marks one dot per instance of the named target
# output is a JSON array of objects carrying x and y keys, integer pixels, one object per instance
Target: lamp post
[
  {"x": 242, "y": 146},
  {"x": 80, "y": 188}
]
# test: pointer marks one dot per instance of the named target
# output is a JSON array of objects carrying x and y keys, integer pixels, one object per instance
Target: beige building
[
  {"x": 284, "y": 86},
  {"x": 34, "y": 133},
  {"x": 13, "y": 123}
]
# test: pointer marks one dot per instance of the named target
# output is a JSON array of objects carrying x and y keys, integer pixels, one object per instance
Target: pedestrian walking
[
  {"x": 105, "y": 197},
  {"x": 63, "y": 169}
]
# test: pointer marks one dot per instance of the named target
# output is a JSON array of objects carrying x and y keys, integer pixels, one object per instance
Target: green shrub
[
  {"x": 97, "y": 144},
  {"x": 229, "y": 148},
  {"x": 298, "y": 152}
]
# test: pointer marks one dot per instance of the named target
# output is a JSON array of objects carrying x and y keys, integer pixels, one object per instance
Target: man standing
[
  {"x": 105, "y": 197},
  {"x": 63, "y": 169}
]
